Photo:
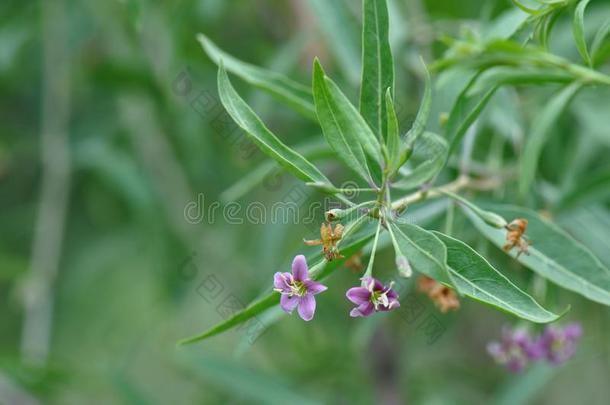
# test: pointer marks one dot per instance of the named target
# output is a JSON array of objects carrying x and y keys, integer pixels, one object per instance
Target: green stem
[{"x": 369, "y": 268}]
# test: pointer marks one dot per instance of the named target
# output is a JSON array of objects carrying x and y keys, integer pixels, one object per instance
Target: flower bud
[
  {"x": 491, "y": 218},
  {"x": 403, "y": 265}
]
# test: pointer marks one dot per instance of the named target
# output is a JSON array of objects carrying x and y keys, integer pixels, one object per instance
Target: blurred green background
[{"x": 111, "y": 126}]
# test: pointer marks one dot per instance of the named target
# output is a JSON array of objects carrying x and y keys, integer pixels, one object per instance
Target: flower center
[
  {"x": 558, "y": 345},
  {"x": 298, "y": 288},
  {"x": 379, "y": 298}
]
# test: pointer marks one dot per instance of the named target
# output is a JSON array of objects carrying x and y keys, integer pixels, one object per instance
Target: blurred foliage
[{"x": 131, "y": 266}]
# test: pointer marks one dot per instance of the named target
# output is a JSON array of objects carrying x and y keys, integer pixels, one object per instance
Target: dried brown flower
[
  {"x": 328, "y": 239},
  {"x": 444, "y": 297},
  {"x": 515, "y": 236}
]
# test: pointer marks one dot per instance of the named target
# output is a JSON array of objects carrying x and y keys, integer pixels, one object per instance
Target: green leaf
[
  {"x": 421, "y": 120},
  {"x": 465, "y": 111},
  {"x": 314, "y": 150},
  {"x": 578, "y": 28},
  {"x": 377, "y": 65},
  {"x": 345, "y": 130},
  {"x": 598, "y": 41},
  {"x": 505, "y": 75},
  {"x": 540, "y": 131},
  {"x": 595, "y": 187},
  {"x": 296, "y": 95},
  {"x": 505, "y": 25},
  {"x": 273, "y": 298},
  {"x": 247, "y": 119},
  {"x": 477, "y": 278},
  {"x": 242, "y": 316},
  {"x": 553, "y": 254},
  {"x": 525, "y": 8},
  {"x": 433, "y": 148},
  {"x": 478, "y": 92},
  {"x": 589, "y": 225},
  {"x": 393, "y": 140},
  {"x": 426, "y": 253},
  {"x": 544, "y": 27}
]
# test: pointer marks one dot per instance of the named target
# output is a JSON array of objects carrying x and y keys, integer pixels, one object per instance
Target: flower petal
[
  {"x": 299, "y": 268},
  {"x": 496, "y": 351},
  {"x": 392, "y": 304},
  {"x": 314, "y": 287},
  {"x": 358, "y": 295},
  {"x": 378, "y": 285},
  {"x": 572, "y": 331},
  {"x": 307, "y": 307},
  {"x": 364, "y": 309},
  {"x": 288, "y": 302},
  {"x": 281, "y": 280},
  {"x": 392, "y": 295}
]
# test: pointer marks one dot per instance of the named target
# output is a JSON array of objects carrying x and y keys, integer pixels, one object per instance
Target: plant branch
[
  {"x": 462, "y": 182},
  {"x": 55, "y": 188}
]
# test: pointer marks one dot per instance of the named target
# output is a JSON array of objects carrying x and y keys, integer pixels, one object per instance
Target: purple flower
[
  {"x": 559, "y": 344},
  {"x": 515, "y": 350},
  {"x": 297, "y": 289},
  {"x": 374, "y": 296}
]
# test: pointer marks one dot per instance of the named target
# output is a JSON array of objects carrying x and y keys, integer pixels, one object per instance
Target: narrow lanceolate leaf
[
  {"x": 239, "y": 317},
  {"x": 539, "y": 134},
  {"x": 273, "y": 298},
  {"x": 426, "y": 253},
  {"x": 465, "y": 111},
  {"x": 377, "y": 65},
  {"x": 578, "y": 28},
  {"x": 596, "y": 188},
  {"x": 247, "y": 119},
  {"x": 344, "y": 129},
  {"x": 393, "y": 140},
  {"x": 421, "y": 120},
  {"x": 478, "y": 92},
  {"x": 296, "y": 95},
  {"x": 433, "y": 150},
  {"x": 268, "y": 173},
  {"x": 475, "y": 277},
  {"x": 553, "y": 254},
  {"x": 598, "y": 41}
]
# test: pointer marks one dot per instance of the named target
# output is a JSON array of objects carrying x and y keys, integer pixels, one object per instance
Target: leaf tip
[
  {"x": 317, "y": 66},
  {"x": 201, "y": 38}
]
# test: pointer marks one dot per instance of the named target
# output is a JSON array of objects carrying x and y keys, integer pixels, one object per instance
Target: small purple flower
[
  {"x": 559, "y": 344},
  {"x": 515, "y": 350},
  {"x": 298, "y": 289},
  {"x": 374, "y": 296}
]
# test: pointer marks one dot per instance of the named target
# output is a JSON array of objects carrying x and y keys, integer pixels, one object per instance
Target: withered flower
[
  {"x": 354, "y": 262},
  {"x": 515, "y": 236},
  {"x": 425, "y": 284},
  {"x": 328, "y": 239},
  {"x": 444, "y": 297}
]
